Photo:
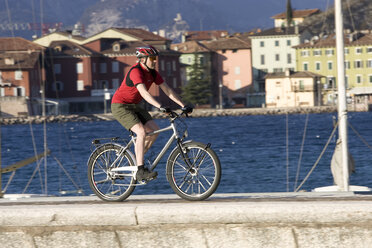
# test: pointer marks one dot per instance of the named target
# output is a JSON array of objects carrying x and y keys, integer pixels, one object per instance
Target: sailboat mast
[{"x": 342, "y": 108}]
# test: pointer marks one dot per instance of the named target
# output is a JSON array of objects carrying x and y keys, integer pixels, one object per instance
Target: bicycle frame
[{"x": 156, "y": 161}]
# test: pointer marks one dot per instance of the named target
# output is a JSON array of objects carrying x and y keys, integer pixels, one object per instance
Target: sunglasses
[{"x": 152, "y": 58}]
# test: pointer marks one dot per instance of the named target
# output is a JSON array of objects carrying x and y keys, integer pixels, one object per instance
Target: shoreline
[{"x": 157, "y": 115}]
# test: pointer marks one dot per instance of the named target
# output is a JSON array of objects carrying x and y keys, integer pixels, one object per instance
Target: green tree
[{"x": 197, "y": 91}]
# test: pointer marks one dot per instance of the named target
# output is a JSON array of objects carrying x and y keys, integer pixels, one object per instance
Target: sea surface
[{"x": 257, "y": 153}]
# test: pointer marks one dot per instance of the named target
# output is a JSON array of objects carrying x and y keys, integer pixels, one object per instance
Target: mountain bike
[{"x": 193, "y": 169}]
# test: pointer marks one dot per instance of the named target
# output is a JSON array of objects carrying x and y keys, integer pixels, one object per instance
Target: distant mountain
[
  {"x": 230, "y": 15},
  {"x": 25, "y": 16}
]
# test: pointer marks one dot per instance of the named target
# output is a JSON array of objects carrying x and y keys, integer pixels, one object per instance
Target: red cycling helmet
[{"x": 146, "y": 51}]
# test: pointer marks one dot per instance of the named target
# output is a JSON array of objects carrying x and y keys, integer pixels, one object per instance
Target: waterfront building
[
  {"x": 21, "y": 74},
  {"x": 318, "y": 55},
  {"x": 298, "y": 17},
  {"x": 85, "y": 73},
  {"x": 293, "y": 89},
  {"x": 233, "y": 67},
  {"x": 272, "y": 51}
]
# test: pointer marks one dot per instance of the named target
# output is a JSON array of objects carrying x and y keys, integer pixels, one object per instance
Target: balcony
[{"x": 303, "y": 88}]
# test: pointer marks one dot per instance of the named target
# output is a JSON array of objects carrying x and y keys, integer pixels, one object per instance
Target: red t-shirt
[{"x": 127, "y": 92}]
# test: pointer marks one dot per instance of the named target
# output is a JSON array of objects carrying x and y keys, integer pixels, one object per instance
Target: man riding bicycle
[{"x": 126, "y": 109}]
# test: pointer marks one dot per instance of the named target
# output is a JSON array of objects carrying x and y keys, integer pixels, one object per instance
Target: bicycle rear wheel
[
  {"x": 107, "y": 184},
  {"x": 196, "y": 177}
]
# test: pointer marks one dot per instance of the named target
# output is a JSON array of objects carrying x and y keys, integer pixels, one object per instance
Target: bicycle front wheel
[
  {"x": 106, "y": 181},
  {"x": 194, "y": 175}
]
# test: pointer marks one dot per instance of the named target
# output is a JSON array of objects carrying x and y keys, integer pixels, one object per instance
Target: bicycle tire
[
  {"x": 105, "y": 184},
  {"x": 201, "y": 180}
]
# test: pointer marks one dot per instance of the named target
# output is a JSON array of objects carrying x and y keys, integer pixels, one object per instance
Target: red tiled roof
[
  {"x": 190, "y": 47},
  {"x": 18, "y": 44},
  {"x": 228, "y": 43},
  {"x": 70, "y": 48},
  {"x": 298, "y": 74},
  {"x": 22, "y": 60},
  {"x": 330, "y": 41},
  {"x": 205, "y": 35},
  {"x": 141, "y": 34},
  {"x": 297, "y": 14}
]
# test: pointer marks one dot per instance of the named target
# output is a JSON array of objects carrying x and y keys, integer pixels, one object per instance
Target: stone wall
[{"x": 196, "y": 113}]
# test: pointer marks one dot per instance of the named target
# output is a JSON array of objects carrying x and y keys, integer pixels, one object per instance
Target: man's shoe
[{"x": 145, "y": 174}]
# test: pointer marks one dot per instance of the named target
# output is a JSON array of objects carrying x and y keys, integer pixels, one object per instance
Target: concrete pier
[{"x": 225, "y": 220}]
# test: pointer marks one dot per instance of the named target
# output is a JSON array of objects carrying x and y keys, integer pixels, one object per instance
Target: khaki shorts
[{"x": 129, "y": 115}]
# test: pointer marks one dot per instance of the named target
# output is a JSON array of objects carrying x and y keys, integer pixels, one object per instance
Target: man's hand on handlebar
[
  {"x": 165, "y": 109},
  {"x": 187, "y": 109}
]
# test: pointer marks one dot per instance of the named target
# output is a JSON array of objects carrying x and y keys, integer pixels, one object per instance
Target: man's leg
[
  {"x": 142, "y": 173},
  {"x": 140, "y": 132},
  {"x": 150, "y": 126}
]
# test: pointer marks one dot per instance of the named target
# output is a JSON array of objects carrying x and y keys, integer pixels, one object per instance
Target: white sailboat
[{"x": 342, "y": 162}]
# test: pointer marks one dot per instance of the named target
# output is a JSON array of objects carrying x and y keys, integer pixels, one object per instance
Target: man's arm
[
  {"x": 147, "y": 96},
  {"x": 171, "y": 94}
]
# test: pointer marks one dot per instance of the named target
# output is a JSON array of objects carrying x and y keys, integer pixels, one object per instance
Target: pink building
[{"x": 233, "y": 68}]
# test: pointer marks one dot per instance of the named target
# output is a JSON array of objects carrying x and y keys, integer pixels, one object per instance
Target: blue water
[{"x": 252, "y": 150}]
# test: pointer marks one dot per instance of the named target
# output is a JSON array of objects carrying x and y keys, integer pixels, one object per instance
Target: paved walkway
[{"x": 225, "y": 220}]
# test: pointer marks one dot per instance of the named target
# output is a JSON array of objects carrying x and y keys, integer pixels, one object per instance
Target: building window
[
  {"x": 317, "y": 52},
  {"x": 238, "y": 84},
  {"x": 369, "y": 63},
  {"x": 277, "y": 57},
  {"x": 302, "y": 85},
  {"x": 358, "y": 64},
  {"x": 359, "y": 79},
  {"x": 288, "y": 42},
  {"x": 289, "y": 58},
  {"x": 174, "y": 83},
  {"x": 162, "y": 64},
  {"x": 358, "y": 50},
  {"x": 94, "y": 67},
  {"x": 57, "y": 68},
  {"x": 346, "y": 81},
  {"x": 115, "y": 83},
  {"x": 103, "y": 84},
  {"x": 102, "y": 67},
  {"x": 18, "y": 75},
  {"x": 346, "y": 50},
  {"x": 370, "y": 79},
  {"x": 57, "y": 86},
  {"x": 174, "y": 63},
  {"x": 80, "y": 85},
  {"x": 278, "y": 70},
  {"x": 276, "y": 43},
  {"x": 317, "y": 66},
  {"x": 305, "y": 66},
  {"x": 330, "y": 65},
  {"x": 347, "y": 64},
  {"x": 305, "y": 53},
  {"x": 115, "y": 66},
  {"x": 262, "y": 44},
  {"x": 329, "y": 52},
  {"x": 169, "y": 69},
  {"x": 369, "y": 50},
  {"x": 237, "y": 70},
  {"x": 116, "y": 48},
  {"x": 79, "y": 68},
  {"x": 19, "y": 91},
  {"x": 262, "y": 59}
]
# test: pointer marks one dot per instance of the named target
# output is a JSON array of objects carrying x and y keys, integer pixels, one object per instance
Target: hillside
[{"x": 357, "y": 16}]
